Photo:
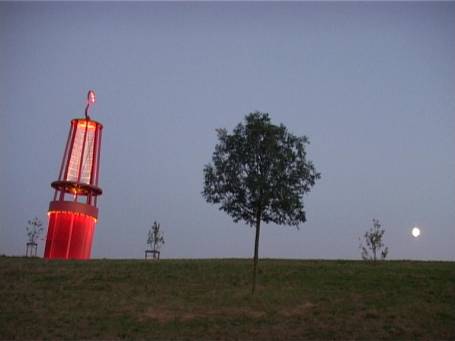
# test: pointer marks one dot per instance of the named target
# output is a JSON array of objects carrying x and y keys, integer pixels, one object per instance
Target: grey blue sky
[{"x": 372, "y": 84}]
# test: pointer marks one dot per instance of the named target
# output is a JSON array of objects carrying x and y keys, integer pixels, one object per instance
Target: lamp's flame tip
[{"x": 91, "y": 97}]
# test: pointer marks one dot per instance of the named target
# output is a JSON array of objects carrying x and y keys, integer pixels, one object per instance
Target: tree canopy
[
  {"x": 34, "y": 230},
  {"x": 155, "y": 238},
  {"x": 262, "y": 168}
]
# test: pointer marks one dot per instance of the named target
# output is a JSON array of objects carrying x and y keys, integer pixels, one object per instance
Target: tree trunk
[{"x": 256, "y": 250}]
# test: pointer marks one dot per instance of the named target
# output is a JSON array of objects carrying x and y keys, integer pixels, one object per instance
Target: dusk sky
[{"x": 372, "y": 85}]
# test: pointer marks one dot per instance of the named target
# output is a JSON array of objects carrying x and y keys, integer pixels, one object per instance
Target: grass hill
[{"x": 210, "y": 299}]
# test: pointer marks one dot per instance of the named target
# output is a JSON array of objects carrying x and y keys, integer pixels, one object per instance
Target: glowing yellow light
[
  {"x": 71, "y": 212},
  {"x": 83, "y": 124}
]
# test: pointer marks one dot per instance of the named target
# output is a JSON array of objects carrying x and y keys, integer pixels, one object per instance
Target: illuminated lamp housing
[{"x": 73, "y": 212}]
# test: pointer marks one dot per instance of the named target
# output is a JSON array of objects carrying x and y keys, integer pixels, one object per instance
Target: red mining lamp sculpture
[{"x": 73, "y": 212}]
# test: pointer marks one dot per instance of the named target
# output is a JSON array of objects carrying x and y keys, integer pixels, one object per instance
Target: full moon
[{"x": 415, "y": 232}]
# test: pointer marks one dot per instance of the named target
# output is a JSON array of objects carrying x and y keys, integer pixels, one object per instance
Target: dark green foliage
[
  {"x": 259, "y": 174},
  {"x": 260, "y": 168},
  {"x": 373, "y": 243},
  {"x": 34, "y": 230}
]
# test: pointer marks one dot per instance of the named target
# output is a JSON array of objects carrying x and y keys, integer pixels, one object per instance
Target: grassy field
[{"x": 210, "y": 299}]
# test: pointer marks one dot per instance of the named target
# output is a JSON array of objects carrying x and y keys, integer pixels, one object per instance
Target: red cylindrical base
[{"x": 69, "y": 235}]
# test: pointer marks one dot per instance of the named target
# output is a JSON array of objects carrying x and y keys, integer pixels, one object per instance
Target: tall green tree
[{"x": 259, "y": 173}]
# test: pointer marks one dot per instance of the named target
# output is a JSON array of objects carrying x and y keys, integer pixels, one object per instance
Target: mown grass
[{"x": 210, "y": 299}]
